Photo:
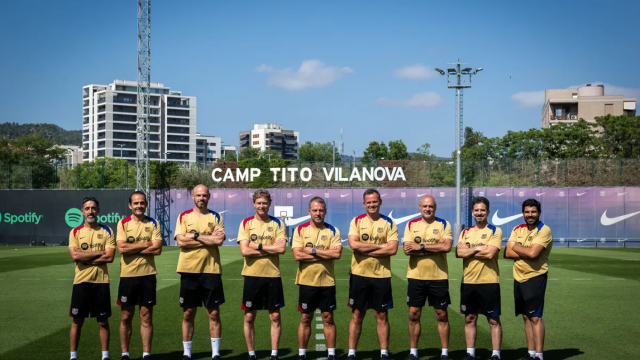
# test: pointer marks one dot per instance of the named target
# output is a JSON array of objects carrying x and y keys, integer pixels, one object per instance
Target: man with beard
[
  {"x": 427, "y": 240},
  {"x": 139, "y": 240},
  {"x": 262, "y": 240},
  {"x": 529, "y": 246},
  {"x": 316, "y": 245},
  {"x": 92, "y": 247},
  {"x": 373, "y": 238},
  {"x": 479, "y": 246},
  {"x": 199, "y": 233}
]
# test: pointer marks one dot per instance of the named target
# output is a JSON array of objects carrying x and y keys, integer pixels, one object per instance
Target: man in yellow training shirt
[
  {"x": 92, "y": 246},
  {"x": 529, "y": 246},
  {"x": 262, "y": 240},
  {"x": 479, "y": 246},
  {"x": 316, "y": 245},
  {"x": 427, "y": 240},
  {"x": 199, "y": 233},
  {"x": 139, "y": 240},
  {"x": 373, "y": 238}
]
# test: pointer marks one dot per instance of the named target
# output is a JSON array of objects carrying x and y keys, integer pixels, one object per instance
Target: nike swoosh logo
[
  {"x": 500, "y": 194},
  {"x": 606, "y": 221},
  {"x": 383, "y": 195},
  {"x": 234, "y": 239},
  {"x": 421, "y": 195},
  {"x": 189, "y": 224},
  {"x": 232, "y": 195},
  {"x": 343, "y": 195},
  {"x": 580, "y": 240},
  {"x": 399, "y": 221},
  {"x": 497, "y": 220},
  {"x": 296, "y": 221},
  {"x": 103, "y": 314},
  {"x": 540, "y": 194},
  {"x": 223, "y": 211},
  {"x": 619, "y": 194},
  {"x": 150, "y": 301},
  {"x": 129, "y": 230},
  {"x": 580, "y": 194},
  {"x": 306, "y": 195}
]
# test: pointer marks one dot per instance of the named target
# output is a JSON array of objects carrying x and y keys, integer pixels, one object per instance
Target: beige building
[
  {"x": 271, "y": 137},
  {"x": 586, "y": 102},
  {"x": 72, "y": 157}
]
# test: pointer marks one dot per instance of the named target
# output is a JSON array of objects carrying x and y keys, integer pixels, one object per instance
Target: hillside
[{"x": 50, "y": 132}]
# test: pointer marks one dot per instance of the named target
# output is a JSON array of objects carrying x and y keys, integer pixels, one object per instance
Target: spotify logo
[{"x": 74, "y": 217}]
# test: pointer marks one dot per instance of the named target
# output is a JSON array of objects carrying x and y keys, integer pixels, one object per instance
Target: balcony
[
  {"x": 563, "y": 116},
  {"x": 101, "y": 136},
  {"x": 102, "y": 100},
  {"x": 85, "y": 103},
  {"x": 101, "y": 145},
  {"x": 184, "y": 113},
  {"x": 172, "y": 121},
  {"x": 125, "y": 100},
  {"x": 85, "y": 122},
  {"x": 125, "y": 109},
  {"x": 177, "y": 130},
  {"x": 182, "y": 139},
  {"x": 125, "y": 145},
  {"x": 174, "y": 147},
  {"x": 125, "y": 127},
  {"x": 85, "y": 112},
  {"x": 101, "y": 127},
  {"x": 124, "y": 136},
  {"x": 119, "y": 117}
]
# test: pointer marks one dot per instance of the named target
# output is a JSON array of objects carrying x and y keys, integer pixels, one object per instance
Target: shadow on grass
[{"x": 434, "y": 354}]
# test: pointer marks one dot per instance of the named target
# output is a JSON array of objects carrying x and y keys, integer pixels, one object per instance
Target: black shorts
[
  {"x": 437, "y": 291},
  {"x": 262, "y": 293},
  {"x": 91, "y": 300},
  {"x": 480, "y": 299},
  {"x": 370, "y": 293},
  {"x": 316, "y": 297},
  {"x": 137, "y": 290},
  {"x": 529, "y": 296},
  {"x": 198, "y": 290}
]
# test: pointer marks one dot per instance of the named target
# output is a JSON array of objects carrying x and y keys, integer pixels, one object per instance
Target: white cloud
[
  {"x": 529, "y": 98},
  {"x": 424, "y": 100},
  {"x": 311, "y": 74},
  {"x": 415, "y": 72}
]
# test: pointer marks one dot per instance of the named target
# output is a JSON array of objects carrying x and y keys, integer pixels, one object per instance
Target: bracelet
[{"x": 259, "y": 246}]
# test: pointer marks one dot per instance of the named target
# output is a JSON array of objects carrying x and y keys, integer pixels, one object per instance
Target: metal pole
[{"x": 458, "y": 225}]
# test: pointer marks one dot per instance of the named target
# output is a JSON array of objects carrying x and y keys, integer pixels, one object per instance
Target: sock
[
  {"x": 539, "y": 356},
  {"x": 332, "y": 351},
  {"x": 105, "y": 354},
  {"x": 471, "y": 351},
  {"x": 252, "y": 353},
  {"x": 384, "y": 352},
  {"x": 496, "y": 352},
  {"x": 186, "y": 345},
  {"x": 144, "y": 354},
  {"x": 302, "y": 352},
  {"x": 414, "y": 352},
  {"x": 215, "y": 347},
  {"x": 125, "y": 354},
  {"x": 352, "y": 352},
  {"x": 532, "y": 353},
  {"x": 445, "y": 352},
  {"x": 274, "y": 352},
  {"x": 74, "y": 355}
]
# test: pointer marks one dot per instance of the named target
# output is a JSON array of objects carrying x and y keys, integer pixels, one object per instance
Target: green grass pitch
[{"x": 591, "y": 310}]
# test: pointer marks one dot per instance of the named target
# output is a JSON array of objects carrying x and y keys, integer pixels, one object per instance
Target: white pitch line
[
  {"x": 318, "y": 318},
  {"x": 319, "y": 326},
  {"x": 319, "y": 336},
  {"x": 317, "y": 311},
  {"x": 321, "y": 347},
  {"x": 581, "y": 279}
]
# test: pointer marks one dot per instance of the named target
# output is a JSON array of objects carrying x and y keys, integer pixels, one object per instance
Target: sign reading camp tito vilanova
[{"x": 305, "y": 174}]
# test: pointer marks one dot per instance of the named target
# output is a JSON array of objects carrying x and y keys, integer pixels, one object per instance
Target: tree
[
  {"x": 374, "y": 152},
  {"x": 423, "y": 153},
  {"x": 317, "y": 152},
  {"x": 249, "y": 153},
  {"x": 163, "y": 174},
  {"x": 397, "y": 150},
  {"x": 620, "y": 135},
  {"x": 521, "y": 144},
  {"x": 567, "y": 140},
  {"x": 228, "y": 156}
]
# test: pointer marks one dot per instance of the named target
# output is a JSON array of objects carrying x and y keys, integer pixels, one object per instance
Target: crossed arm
[
  {"x": 479, "y": 252},
  {"x": 143, "y": 248},
  {"x": 517, "y": 252},
  {"x": 304, "y": 254},
  {"x": 92, "y": 257},
  {"x": 442, "y": 246},
  {"x": 250, "y": 249},
  {"x": 373, "y": 250},
  {"x": 188, "y": 242}
]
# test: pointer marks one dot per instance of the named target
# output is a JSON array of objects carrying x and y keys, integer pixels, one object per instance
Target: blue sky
[{"x": 316, "y": 66}]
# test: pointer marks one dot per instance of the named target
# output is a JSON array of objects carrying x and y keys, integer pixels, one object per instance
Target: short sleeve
[
  {"x": 496, "y": 238},
  {"x": 181, "y": 229},
  {"x": 297, "y": 239},
  {"x": 337, "y": 239},
  {"x": 111, "y": 240},
  {"x": 157, "y": 233},
  {"x": 544, "y": 237},
  {"x": 393, "y": 232},
  {"x": 353, "y": 229},
  {"x": 447, "y": 231},
  {"x": 461, "y": 237},
  {"x": 243, "y": 234},
  {"x": 220, "y": 225},
  {"x": 73, "y": 242},
  {"x": 280, "y": 232},
  {"x": 407, "y": 233},
  {"x": 121, "y": 232},
  {"x": 514, "y": 235}
]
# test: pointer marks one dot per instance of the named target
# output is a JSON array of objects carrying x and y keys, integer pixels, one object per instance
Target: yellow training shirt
[
  {"x": 377, "y": 232},
  {"x": 525, "y": 269},
  {"x": 88, "y": 239},
  {"x": 321, "y": 272},
  {"x": 135, "y": 232},
  {"x": 430, "y": 266},
  {"x": 204, "y": 260},
  {"x": 265, "y": 233},
  {"x": 481, "y": 271}
]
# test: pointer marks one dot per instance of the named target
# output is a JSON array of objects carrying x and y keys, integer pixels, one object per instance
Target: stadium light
[{"x": 455, "y": 81}]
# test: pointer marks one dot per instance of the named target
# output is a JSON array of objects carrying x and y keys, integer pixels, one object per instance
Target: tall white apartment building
[
  {"x": 109, "y": 122},
  {"x": 271, "y": 137}
]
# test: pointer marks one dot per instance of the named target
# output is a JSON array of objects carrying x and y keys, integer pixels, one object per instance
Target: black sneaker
[
  {"x": 185, "y": 357},
  {"x": 125, "y": 357},
  {"x": 411, "y": 357},
  {"x": 251, "y": 357},
  {"x": 495, "y": 357},
  {"x": 384, "y": 357},
  {"x": 444, "y": 357},
  {"x": 217, "y": 357},
  {"x": 273, "y": 357},
  {"x": 527, "y": 357},
  {"x": 468, "y": 357},
  {"x": 302, "y": 357},
  {"x": 146, "y": 357},
  {"x": 331, "y": 357},
  {"x": 351, "y": 357}
]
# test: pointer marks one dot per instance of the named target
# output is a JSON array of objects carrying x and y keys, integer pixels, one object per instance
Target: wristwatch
[
  {"x": 421, "y": 247},
  {"x": 259, "y": 246},
  {"x": 195, "y": 236},
  {"x": 313, "y": 250}
]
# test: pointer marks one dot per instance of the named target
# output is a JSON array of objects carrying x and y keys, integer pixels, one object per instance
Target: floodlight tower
[
  {"x": 143, "y": 98},
  {"x": 458, "y": 79}
]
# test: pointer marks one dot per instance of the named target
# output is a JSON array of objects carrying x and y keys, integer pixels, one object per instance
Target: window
[
  {"x": 255, "y": 136},
  {"x": 256, "y": 142}
]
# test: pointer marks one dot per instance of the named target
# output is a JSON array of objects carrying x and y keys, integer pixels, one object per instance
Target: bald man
[
  {"x": 427, "y": 240},
  {"x": 199, "y": 233}
]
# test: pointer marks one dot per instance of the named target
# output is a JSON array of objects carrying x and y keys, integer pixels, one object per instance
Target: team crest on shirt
[
  {"x": 324, "y": 237},
  {"x": 270, "y": 229},
  {"x": 74, "y": 311},
  {"x": 320, "y": 247},
  {"x": 365, "y": 237},
  {"x": 123, "y": 299},
  {"x": 435, "y": 231},
  {"x": 303, "y": 306},
  {"x": 248, "y": 304},
  {"x": 147, "y": 228},
  {"x": 84, "y": 246},
  {"x": 417, "y": 239},
  {"x": 380, "y": 230},
  {"x": 254, "y": 237},
  {"x": 181, "y": 300},
  {"x": 211, "y": 224},
  {"x": 99, "y": 236},
  {"x": 484, "y": 236},
  {"x": 530, "y": 238}
]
